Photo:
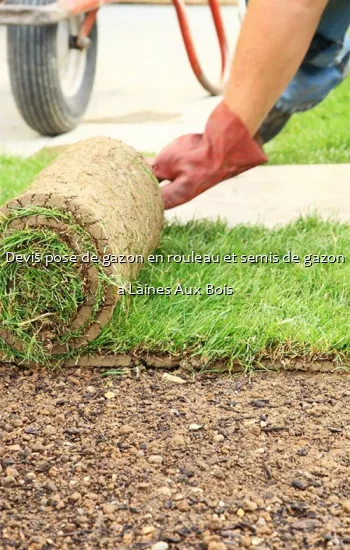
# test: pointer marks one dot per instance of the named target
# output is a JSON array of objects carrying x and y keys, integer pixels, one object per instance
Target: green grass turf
[
  {"x": 318, "y": 136},
  {"x": 39, "y": 299},
  {"x": 275, "y": 309}
]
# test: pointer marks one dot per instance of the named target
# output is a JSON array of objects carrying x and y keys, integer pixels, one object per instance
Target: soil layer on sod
[
  {"x": 216, "y": 463},
  {"x": 58, "y": 287}
]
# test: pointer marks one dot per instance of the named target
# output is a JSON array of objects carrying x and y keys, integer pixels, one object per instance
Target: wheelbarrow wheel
[{"x": 51, "y": 79}]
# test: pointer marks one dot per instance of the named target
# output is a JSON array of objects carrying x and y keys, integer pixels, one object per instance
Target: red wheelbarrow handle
[{"x": 190, "y": 49}]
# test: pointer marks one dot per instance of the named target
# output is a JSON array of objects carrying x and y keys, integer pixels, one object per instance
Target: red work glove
[{"x": 195, "y": 162}]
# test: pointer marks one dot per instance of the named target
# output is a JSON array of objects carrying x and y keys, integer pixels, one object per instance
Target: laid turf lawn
[
  {"x": 318, "y": 136},
  {"x": 275, "y": 309}
]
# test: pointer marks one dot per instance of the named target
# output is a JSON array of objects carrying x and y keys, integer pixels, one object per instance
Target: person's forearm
[{"x": 274, "y": 39}]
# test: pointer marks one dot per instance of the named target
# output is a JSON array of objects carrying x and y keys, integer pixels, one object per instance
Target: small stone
[
  {"x": 8, "y": 481},
  {"x": 178, "y": 497},
  {"x": 148, "y": 529},
  {"x": 300, "y": 484},
  {"x": 156, "y": 459},
  {"x": 166, "y": 491},
  {"x": 109, "y": 508},
  {"x": 195, "y": 427},
  {"x": 305, "y": 524},
  {"x": 173, "y": 379},
  {"x": 92, "y": 496},
  {"x": 17, "y": 423},
  {"x": 302, "y": 451},
  {"x": 91, "y": 389},
  {"x": 218, "y": 438},
  {"x": 75, "y": 497},
  {"x": 109, "y": 395},
  {"x": 126, "y": 429},
  {"x": 215, "y": 524},
  {"x": 49, "y": 430},
  {"x": 14, "y": 448},
  {"x": 50, "y": 486},
  {"x": 256, "y": 541},
  {"x": 161, "y": 545},
  {"x": 12, "y": 472},
  {"x": 249, "y": 505},
  {"x": 346, "y": 506},
  {"x": 183, "y": 506},
  {"x": 240, "y": 513},
  {"x": 177, "y": 441}
]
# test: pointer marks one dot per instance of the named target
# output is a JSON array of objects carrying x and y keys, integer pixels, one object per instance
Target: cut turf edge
[{"x": 172, "y": 362}]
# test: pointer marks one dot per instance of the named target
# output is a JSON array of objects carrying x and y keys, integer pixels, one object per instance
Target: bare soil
[{"x": 136, "y": 461}]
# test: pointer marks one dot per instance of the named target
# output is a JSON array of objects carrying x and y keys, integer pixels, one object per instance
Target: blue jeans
[{"x": 323, "y": 68}]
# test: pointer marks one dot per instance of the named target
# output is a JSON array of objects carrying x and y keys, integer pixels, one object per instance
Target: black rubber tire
[{"x": 32, "y": 61}]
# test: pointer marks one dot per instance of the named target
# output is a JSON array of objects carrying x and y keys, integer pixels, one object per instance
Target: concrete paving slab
[{"x": 274, "y": 195}]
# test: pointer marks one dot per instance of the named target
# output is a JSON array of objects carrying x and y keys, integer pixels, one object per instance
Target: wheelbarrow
[{"x": 52, "y": 51}]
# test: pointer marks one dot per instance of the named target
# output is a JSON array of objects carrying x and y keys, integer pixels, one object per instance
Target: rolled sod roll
[{"x": 98, "y": 201}]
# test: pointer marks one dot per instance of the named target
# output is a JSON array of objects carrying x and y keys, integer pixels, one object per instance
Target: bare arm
[{"x": 274, "y": 39}]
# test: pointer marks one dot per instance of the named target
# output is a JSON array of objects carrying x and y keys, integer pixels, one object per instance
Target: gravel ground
[{"x": 139, "y": 461}]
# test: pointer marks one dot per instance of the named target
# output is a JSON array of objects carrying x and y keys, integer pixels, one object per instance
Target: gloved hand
[{"x": 195, "y": 162}]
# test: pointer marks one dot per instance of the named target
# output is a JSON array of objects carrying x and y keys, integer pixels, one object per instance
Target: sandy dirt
[{"x": 137, "y": 461}]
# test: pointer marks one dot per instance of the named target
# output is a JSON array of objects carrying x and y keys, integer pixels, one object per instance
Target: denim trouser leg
[{"x": 323, "y": 68}]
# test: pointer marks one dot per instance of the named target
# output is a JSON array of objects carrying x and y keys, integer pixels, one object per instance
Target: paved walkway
[{"x": 273, "y": 195}]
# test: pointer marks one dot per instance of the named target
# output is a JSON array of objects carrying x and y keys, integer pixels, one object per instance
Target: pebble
[
  {"x": 126, "y": 429},
  {"x": 109, "y": 508},
  {"x": 11, "y": 472},
  {"x": 49, "y": 430},
  {"x": 8, "y": 481},
  {"x": 109, "y": 395},
  {"x": 215, "y": 524},
  {"x": 218, "y": 438},
  {"x": 219, "y": 474},
  {"x": 195, "y": 427},
  {"x": 166, "y": 491},
  {"x": 299, "y": 484},
  {"x": 156, "y": 459},
  {"x": 75, "y": 497},
  {"x": 148, "y": 529},
  {"x": 256, "y": 541},
  {"x": 346, "y": 506},
  {"x": 50, "y": 486},
  {"x": 183, "y": 506},
  {"x": 177, "y": 441},
  {"x": 305, "y": 524},
  {"x": 173, "y": 379},
  {"x": 249, "y": 505},
  {"x": 161, "y": 545}
]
